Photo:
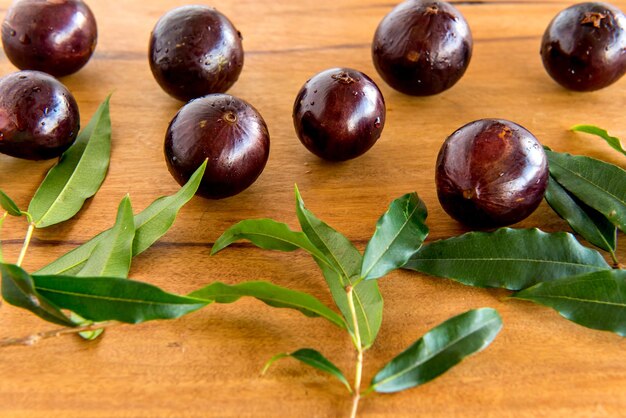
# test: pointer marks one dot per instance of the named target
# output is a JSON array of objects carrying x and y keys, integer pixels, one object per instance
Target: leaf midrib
[
  {"x": 109, "y": 298},
  {"x": 530, "y": 260},
  {"x": 591, "y": 301}
]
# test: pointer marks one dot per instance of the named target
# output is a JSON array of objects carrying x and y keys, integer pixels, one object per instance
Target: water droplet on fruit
[
  {"x": 25, "y": 39},
  {"x": 377, "y": 123}
]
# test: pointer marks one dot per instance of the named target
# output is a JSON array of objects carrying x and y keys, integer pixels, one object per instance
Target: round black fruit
[
  {"x": 194, "y": 51},
  {"x": 39, "y": 117},
  {"x": 339, "y": 114},
  {"x": 422, "y": 47},
  {"x": 57, "y": 37},
  {"x": 227, "y": 131},
  {"x": 584, "y": 47},
  {"x": 491, "y": 173}
]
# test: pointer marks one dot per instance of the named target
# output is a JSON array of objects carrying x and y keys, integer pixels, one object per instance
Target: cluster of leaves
[{"x": 351, "y": 278}]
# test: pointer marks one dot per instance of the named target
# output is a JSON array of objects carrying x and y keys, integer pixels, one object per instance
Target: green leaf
[
  {"x": 9, "y": 205},
  {"x": 597, "y": 183},
  {"x": 78, "y": 174},
  {"x": 154, "y": 221},
  {"x": 596, "y": 300},
  {"x": 150, "y": 225},
  {"x": 270, "y": 294},
  {"x": 594, "y": 130},
  {"x": 509, "y": 258},
  {"x": 400, "y": 232},
  {"x": 343, "y": 269},
  {"x": 113, "y": 298},
  {"x": 584, "y": 220},
  {"x": 267, "y": 234},
  {"x": 314, "y": 359},
  {"x": 112, "y": 256},
  {"x": 19, "y": 290},
  {"x": 438, "y": 350}
]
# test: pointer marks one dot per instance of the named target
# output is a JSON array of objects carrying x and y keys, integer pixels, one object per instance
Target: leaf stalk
[{"x": 29, "y": 235}]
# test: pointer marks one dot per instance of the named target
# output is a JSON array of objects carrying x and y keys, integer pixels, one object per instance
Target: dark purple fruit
[
  {"x": 584, "y": 47},
  {"x": 39, "y": 117},
  {"x": 422, "y": 47},
  {"x": 227, "y": 131},
  {"x": 339, "y": 114},
  {"x": 57, "y": 37},
  {"x": 491, "y": 173},
  {"x": 194, "y": 51}
]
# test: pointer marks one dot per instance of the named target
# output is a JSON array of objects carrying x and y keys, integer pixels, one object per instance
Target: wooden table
[{"x": 208, "y": 363}]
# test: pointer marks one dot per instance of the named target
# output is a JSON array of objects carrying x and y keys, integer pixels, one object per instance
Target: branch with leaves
[{"x": 351, "y": 278}]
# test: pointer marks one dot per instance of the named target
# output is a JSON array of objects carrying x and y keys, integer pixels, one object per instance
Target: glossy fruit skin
[
  {"x": 584, "y": 47},
  {"x": 227, "y": 131},
  {"x": 56, "y": 37},
  {"x": 194, "y": 51},
  {"x": 422, "y": 47},
  {"x": 339, "y": 114},
  {"x": 39, "y": 117},
  {"x": 491, "y": 173}
]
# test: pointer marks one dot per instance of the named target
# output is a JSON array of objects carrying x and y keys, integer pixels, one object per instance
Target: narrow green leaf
[
  {"x": 270, "y": 294},
  {"x": 314, "y": 359},
  {"x": 594, "y": 130},
  {"x": 112, "y": 256},
  {"x": 78, "y": 174},
  {"x": 596, "y": 300},
  {"x": 438, "y": 350},
  {"x": 584, "y": 220},
  {"x": 343, "y": 269},
  {"x": 400, "y": 232},
  {"x": 150, "y": 225},
  {"x": 267, "y": 234},
  {"x": 9, "y": 205},
  {"x": 19, "y": 290},
  {"x": 509, "y": 258},
  {"x": 112, "y": 298},
  {"x": 597, "y": 183},
  {"x": 154, "y": 221}
]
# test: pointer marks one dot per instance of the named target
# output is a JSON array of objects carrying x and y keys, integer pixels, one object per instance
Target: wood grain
[{"x": 208, "y": 363}]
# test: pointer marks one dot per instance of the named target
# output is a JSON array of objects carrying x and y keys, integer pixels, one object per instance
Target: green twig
[
  {"x": 356, "y": 397},
  {"x": 35, "y": 338}
]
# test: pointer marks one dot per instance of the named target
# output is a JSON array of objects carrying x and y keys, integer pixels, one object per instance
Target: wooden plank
[{"x": 208, "y": 363}]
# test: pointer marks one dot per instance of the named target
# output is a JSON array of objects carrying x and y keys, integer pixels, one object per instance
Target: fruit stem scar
[
  {"x": 230, "y": 117},
  {"x": 432, "y": 10},
  {"x": 506, "y": 131},
  {"x": 468, "y": 194},
  {"x": 343, "y": 78},
  {"x": 594, "y": 18},
  {"x": 413, "y": 56}
]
